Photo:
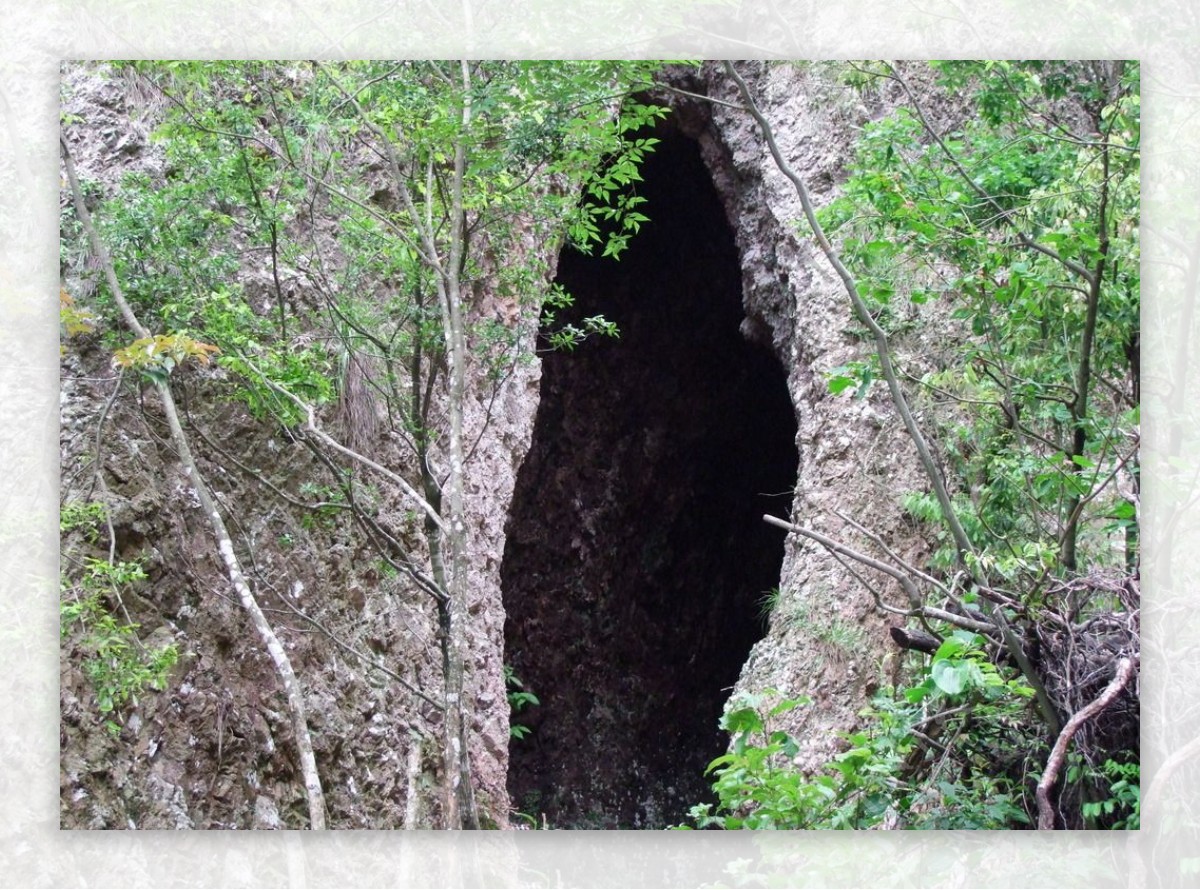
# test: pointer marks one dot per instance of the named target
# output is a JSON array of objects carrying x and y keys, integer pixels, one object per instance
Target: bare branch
[
  {"x": 878, "y": 541},
  {"x": 910, "y": 589},
  {"x": 918, "y": 610},
  {"x": 883, "y": 350},
  {"x": 681, "y": 92},
  {"x": 310, "y": 426},
  {"x": 1058, "y": 754}
]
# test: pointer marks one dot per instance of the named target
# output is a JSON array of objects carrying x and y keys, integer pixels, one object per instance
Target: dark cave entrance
[{"x": 636, "y": 554}]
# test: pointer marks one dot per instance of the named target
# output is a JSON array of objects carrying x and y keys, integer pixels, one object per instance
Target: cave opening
[{"x": 636, "y": 556}]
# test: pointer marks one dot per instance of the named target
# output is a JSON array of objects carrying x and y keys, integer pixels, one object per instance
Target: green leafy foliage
[
  {"x": 306, "y": 373},
  {"x": 113, "y": 658},
  {"x": 329, "y": 503},
  {"x": 519, "y": 698},
  {"x": 87, "y": 517},
  {"x": 168, "y": 240},
  {"x": 110, "y": 653},
  {"x": 1022, "y": 224},
  {"x": 892, "y": 772},
  {"x": 568, "y": 336},
  {"x": 157, "y": 356},
  {"x": 1121, "y": 810},
  {"x": 767, "y": 603},
  {"x": 552, "y": 151},
  {"x": 74, "y": 319},
  {"x": 858, "y": 375},
  {"x": 960, "y": 667}
]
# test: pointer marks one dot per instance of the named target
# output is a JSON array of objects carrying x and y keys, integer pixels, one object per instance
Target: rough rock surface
[
  {"x": 215, "y": 749},
  {"x": 826, "y": 639}
]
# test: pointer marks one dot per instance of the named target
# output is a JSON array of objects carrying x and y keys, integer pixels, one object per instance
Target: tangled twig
[{"x": 1059, "y": 753}]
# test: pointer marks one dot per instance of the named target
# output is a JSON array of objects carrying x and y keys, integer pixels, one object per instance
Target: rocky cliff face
[
  {"x": 215, "y": 749},
  {"x": 825, "y": 640},
  {"x": 621, "y": 568},
  {"x": 641, "y": 584}
]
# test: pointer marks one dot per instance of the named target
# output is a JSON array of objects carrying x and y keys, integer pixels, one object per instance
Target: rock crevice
[{"x": 636, "y": 555}]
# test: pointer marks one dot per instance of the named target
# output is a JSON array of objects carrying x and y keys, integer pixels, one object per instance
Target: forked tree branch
[
  {"x": 310, "y": 426},
  {"x": 917, "y": 610}
]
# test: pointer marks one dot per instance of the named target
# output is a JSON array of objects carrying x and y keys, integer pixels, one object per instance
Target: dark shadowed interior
[{"x": 636, "y": 554}]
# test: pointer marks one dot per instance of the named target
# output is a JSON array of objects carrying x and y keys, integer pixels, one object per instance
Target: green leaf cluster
[
  {"x": 519, "y": 698},
  {"x": 85, "y": 516},
  {"x": 268, "y": 158},
  {"x": 1122, "y": 808},
  {"x": 113, "y": 658},
  {"x": 890, "y": 772},
  {"x": 1021, "y": 223}
]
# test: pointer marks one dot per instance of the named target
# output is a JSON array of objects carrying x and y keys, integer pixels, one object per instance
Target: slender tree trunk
[
  {"x": 1083, "y": 377},
  {"x": 283, "y": 665},
  {"x": 448, "y": 542},
  {"x": 456, "y": 754}
]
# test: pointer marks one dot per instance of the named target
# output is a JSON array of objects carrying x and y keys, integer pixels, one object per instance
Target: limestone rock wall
[
  {"x": 826, "y": 640},
  {"x": 214, "y": 748}
]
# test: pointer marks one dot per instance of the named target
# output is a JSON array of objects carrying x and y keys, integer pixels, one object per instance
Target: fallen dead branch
[{"x": 1058, "y": 754}]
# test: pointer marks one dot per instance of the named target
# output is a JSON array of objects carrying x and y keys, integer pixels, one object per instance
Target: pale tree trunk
[
  {"x": 283, "y": 665},
  {"x": 446, "y": 533},
  {"x": 460, "y": 796}
]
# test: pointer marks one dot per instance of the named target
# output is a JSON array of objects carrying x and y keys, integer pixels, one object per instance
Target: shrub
[{"x": 895, "y": 771}]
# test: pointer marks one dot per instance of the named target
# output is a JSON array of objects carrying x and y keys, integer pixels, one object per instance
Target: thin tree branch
[
  {"x": 366, "y": 659},
  {"x": 1058, "y": 754},
  {"x": 910, "y": 589},
  {"x": 883, "y": 350},
  {"x": 681, "y": 92},
  {"x": 310, "y": 426},
  {"x": 878, "y": 541}
]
